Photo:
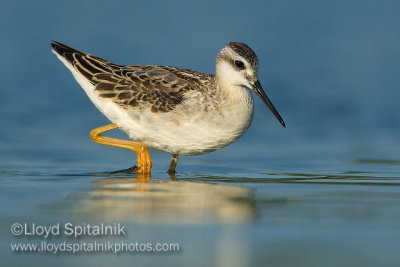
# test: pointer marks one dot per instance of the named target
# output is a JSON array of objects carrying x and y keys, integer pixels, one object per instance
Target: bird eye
[{"x": 239, "y": 64}]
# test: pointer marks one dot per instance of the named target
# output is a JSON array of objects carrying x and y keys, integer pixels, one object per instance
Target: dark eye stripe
[{"x": 239, "y": 64}]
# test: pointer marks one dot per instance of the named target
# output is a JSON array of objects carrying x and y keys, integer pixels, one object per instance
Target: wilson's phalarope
[{"x": 180, "y": 111}]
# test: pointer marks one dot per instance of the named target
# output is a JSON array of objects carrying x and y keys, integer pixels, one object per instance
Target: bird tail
[{"x": 84, "y": 63}]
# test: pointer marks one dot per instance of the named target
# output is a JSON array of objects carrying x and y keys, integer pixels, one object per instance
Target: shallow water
[
  {"x": 325, "y": 191},
  {"x": 281, "y": 216}
]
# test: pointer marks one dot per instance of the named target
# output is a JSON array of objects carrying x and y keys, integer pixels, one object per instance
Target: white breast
[{"x": 192, "y": 129}]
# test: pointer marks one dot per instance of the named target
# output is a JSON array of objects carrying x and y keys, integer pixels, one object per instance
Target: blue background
[{"x": 331, "y": 68}]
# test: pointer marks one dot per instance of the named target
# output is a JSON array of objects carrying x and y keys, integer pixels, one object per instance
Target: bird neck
[{"x": 233, "y": 94}]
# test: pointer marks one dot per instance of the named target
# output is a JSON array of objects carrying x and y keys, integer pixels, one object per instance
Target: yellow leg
[{"x": 144, "y": 160}]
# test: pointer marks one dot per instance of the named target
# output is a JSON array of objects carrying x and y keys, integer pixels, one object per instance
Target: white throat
[{"x": 232, "y": 84}]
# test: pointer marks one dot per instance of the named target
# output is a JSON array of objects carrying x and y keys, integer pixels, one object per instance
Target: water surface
[{"x": 322, "y": 192}]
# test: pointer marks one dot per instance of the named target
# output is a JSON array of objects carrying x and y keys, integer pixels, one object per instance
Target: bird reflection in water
[{"x": 136, "y": 199}]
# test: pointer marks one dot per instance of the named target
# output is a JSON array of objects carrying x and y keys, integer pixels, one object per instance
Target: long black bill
[{"x": 257, "y": 88}]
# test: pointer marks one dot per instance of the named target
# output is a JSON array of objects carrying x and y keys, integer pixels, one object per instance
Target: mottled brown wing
[{"x": 158, "y": 88}]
